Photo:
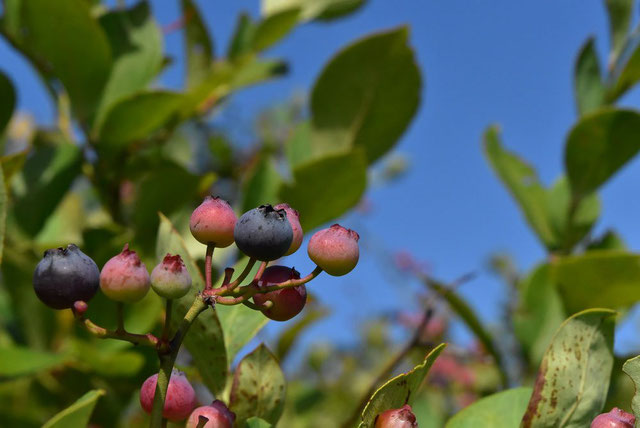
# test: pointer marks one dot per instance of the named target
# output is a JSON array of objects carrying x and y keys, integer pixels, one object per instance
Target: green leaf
[
  {"x": 367, "y": 95},
  {"x": 262, "y": 185},
  {"x": 609, "y": 279},
  {"x": 136, "y": 43},
  {"x": 3, "y": 211},
  {"x": 312, "y": 9},
  {"x": 619, "y": 14},
  {"x": 78, "y": 414},
  {"x": 589, "y": 90},
  {"x": 205, "y": 339},
  {"x": 540, "y": 312},
  {"x": 198, "y": 44},
  {"x": 8, "y": 97},
  {"x": 573, "y": 379},
  {"x": 77, "y": 52},
  {"x": 242, "y": 38},
  {"x": 501, "y": 410},
  {"x": 298, "y": 146},
  {"x": 326, "y": 188},
  {"x": 137, "y": 116},
  {"x": 273, "y": 28},
  {"x": 109, "y": 362},
  {"x": 254, "y": 422},
  {"x": 609, "y": 240},
  {"x": 256, "y": 71},
  {"x": 599, "y": 145},
  {"x": 289, "y": 336},
  {"x": 632, "y": 368},
  {"x": 399, "y": 390},
  {"x": 523, "y": 184},
  {"x": 19, "y": 361},
  {"x": 258, "y": 387}
]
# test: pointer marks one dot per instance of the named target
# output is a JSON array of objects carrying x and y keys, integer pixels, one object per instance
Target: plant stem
[
  {"x": 102, "y": 333},
  {"x": 229, "y": 287},
  {"x": 207, "y": 266}
]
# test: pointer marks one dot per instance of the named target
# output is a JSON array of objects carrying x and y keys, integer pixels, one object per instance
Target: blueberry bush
[{"x": 143, "y": 249}]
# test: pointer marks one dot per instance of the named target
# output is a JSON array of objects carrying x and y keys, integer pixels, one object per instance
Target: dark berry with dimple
[
  {"x": 64, "y": 276},
  {"x": 616, "y": 418},
  {"x": 263, "y": 233},
  {"x": 397, "y": 418},
  {"x": 285, "y": 303}
]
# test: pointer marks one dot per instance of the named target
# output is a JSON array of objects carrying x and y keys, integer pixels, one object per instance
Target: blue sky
[{"x": 483, "y": 62}]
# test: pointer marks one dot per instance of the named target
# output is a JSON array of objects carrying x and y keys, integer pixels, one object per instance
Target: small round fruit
[
  {"x": 294, "y": 220},
  {"x": 180, "y": 401},
  {"x": 616, "y": 418},
  {"x": 335, "y": 250},
  {"x": 124, "y": 278},
  {"x": 218, "y": 415},
  {"x": 286, "y": 303},
  {"x": 213, "y": 222},
  {"x": 170, "y": 279},
  {"x": 263, "y": 233},
  {"x": 65, "y": 275},
  {"x": 397, "y": 418}
]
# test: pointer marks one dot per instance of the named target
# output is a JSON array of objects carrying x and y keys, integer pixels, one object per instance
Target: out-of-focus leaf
[
  {"x": 367, "y": 95},
  {"x": 198, "y": 44},
  {"x": 609, "y": 279},
  {"x": 257, "y": 71},
  {"x": 398, "y": 391},
  {"x": 326, "y": 188},
  {"x": 262, "y": 185},
  {"x": 107, "y": 362},
  {"x": 598, "y": 146},
  {"x": 48, "y": 173},
  {"x": 619, "y": 14},
  {"x": 312, "y": 9},
  {"x": 65, "y": 224},
  {"x": 242, "y": 36},
  {"x": 539, "y": 314},
  {"x": 258, "y": 387},
  {"x": 71, "y": 44},
  {"x": 501, "y": 410},
  {"x": 573, "y": 379},
  {"x": 254, "y": 422},
  {"x": 610, "y": 240},
  {"x": 78, "y": 414},
  {"x": 589, "y": 90},
  {"x": 273, "y": 28},
  {"x": 136, "y": 44},
  {"x": 632, "y": 368},
  {"x": 20, "y": 361},
  {"x": 205, "y": 339},
  {"x": 3, "y": 211},
  {"x": 522, "y": 181},
  {"x": 136, "y": 116},
  {"x": 292, "y": 333},
  {"x": 12, "y": 164},
  {"x": 298, "y": 146},
  {"x": 8, "y": 97}
]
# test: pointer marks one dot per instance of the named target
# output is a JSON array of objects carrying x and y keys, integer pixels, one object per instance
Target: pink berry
[
  {"x": 616, "y": 418},
  {"x": 213, "y": 222},
  {"x": 218, "y": 414},
  {"x": 397, "y": 418},
  {"x": 181, "y": 398},
  {"x": 170, "y": 279},
  {"x": 294, "y": 221},
  {"x": 286, "y": 303},
  {"x": 124, "y": 278},
  {"x": 335, "y": 250}
]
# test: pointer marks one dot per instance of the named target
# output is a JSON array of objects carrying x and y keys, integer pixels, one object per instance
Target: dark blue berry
[
  {"x": 64, "y": 276},
  {"x": 263, "y": 233}
]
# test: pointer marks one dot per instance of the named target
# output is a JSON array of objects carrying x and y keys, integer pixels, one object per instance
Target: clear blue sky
[{"x": 483, "y": 62}]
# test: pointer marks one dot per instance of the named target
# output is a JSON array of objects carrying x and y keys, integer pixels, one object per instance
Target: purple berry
[
  {"x": 124, "y": 278},
  {"x": 335, "y": 250},
  {"x": 616, "y": 418},
  {"x": 65, "y": 275},
  {"x": 213, "y": 222},
  {"x": 397, "y": 418},
  {"x": 218, "y": 415},
  {"x": 286, "y": 303},
  {"x": 294, "y": 220},
  {"x": 263, "y": 233},
  {"x": 181, "y": 398},
  {"x": 170, "y": 279}
]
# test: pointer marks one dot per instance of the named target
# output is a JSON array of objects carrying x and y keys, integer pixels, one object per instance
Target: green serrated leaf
[
  {"x": 258, "y": 387},
  {"x": 78, "y": 414},
  {"x": 588, "y": 86},
  {"x": 632, "y": 368},
  {"x": 8, "y": 97},
  {"x": 501, "y": 410},
  {"x": 20, "y": 361},
  {"x": 573, "y": 379},
  {"x": 198, "y": 44},
  {"x": 399, "y": 390}
]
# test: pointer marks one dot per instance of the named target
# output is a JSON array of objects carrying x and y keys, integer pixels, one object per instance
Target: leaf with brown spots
[
  {"x": 573, "y": 379},
  {"x": 632, "y": 368}
]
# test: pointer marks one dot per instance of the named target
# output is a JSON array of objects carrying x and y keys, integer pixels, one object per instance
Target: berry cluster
[{"x": 68, "y": 278}]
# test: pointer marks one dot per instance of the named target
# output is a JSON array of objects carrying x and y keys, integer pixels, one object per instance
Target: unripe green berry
[
  {"x": 124, "y": 278},
  {"x": 170, "y": 279},
  {"x": 335, "y": 250}
]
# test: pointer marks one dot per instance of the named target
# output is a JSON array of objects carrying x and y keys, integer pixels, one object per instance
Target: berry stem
[
  {"x": 167, "y": 321},
  {"x": 228, "y": 287},
  {"x": 207, "y": 266},
  {"x": 102, "y": 333}
]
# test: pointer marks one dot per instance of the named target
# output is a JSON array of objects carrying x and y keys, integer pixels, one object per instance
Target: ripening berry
[
  {"x": 170, "y": 279},
  {"x": 213, "y": 222},
  {"x": 263, "y": 233},
  {"x": 65, "y": 275},
  {"x": 397, "y": 418},
  {"x": 180, "y": 401},
  {"x": 335, "y": 250},
  {"x": 286, "y": 303},
  {"x": 294, "y": 221},
  {"x": 616, "y": 418},
  {"x": 218, "y": 415},
  {"x": 124, "y": 278}
]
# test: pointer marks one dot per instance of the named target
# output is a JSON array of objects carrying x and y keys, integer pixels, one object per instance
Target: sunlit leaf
[
  {"x": 589, "y": 89},
  {"x": 78, "y": 414},
  {"x": 312, "y": 9},
  {"x": 501, "y": 410},
  {"x": 273, "y": 28}
]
